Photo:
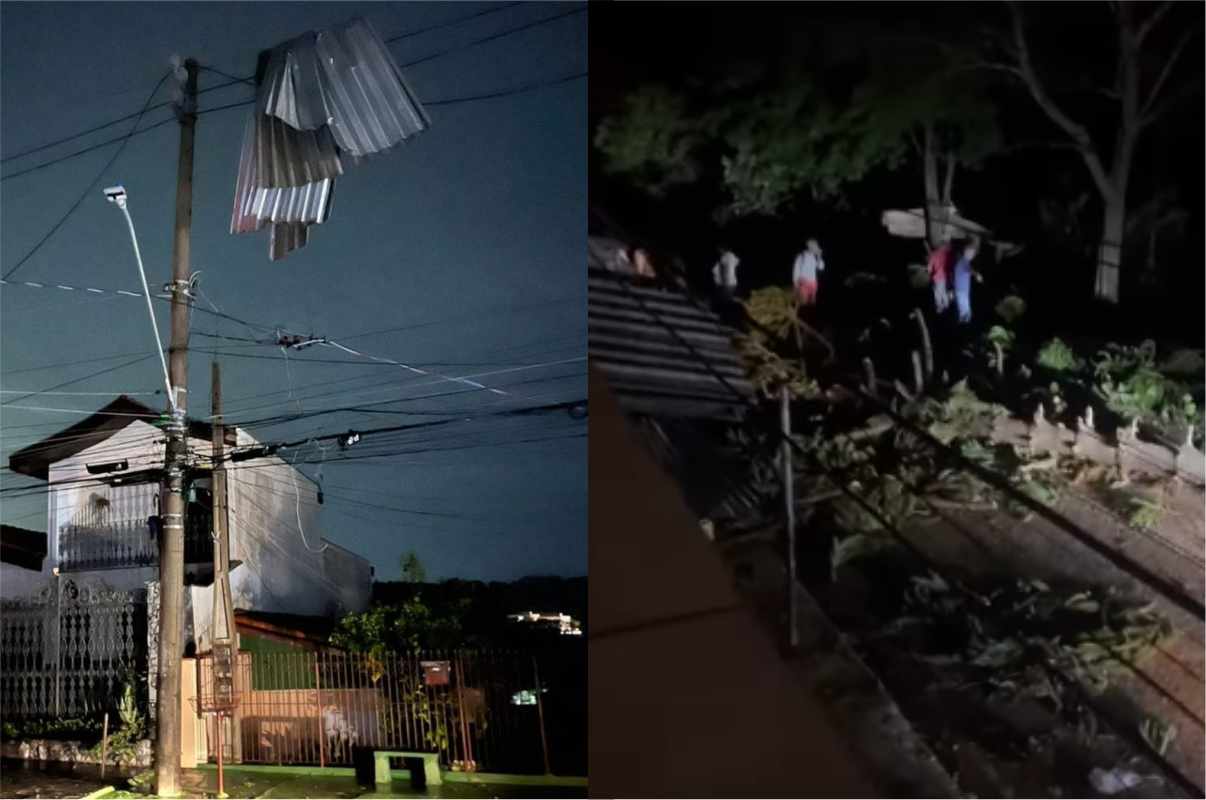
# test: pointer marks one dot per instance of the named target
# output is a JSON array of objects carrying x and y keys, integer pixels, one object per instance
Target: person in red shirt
[{"x": 940, "y": 264}]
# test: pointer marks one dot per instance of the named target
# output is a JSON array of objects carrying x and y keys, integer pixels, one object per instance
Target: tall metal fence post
[
  {"x": 544, "y": 741},
  {"x": 467, "y": 748},
  {"x": 322, "y": 759},
  {"x": 58, "y": 635}
]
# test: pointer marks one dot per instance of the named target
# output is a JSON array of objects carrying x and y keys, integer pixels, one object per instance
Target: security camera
[{"x": 116, "y": 194}]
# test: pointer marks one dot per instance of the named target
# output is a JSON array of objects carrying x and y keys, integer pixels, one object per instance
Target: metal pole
[
  {"x": 221, "y": 784},
  {"x": 322, "y": 756},
  {"x": 467, "y": 749},
  {"x": 224, "y": 640},
  {"x": 789, "y": 500},
  {"x": 171, "y": 553},
  {"x": 58, "y": 637},
  {"x": 544, "y": 741},
  {"x": 104, "y": 744}
]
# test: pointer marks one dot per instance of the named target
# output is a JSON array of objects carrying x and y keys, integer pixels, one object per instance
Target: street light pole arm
[{"x": 121, "y": 203}]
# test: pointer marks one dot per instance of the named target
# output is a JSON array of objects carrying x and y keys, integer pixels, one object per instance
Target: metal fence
[
  {"x": 129, "y": 544},
  {"x": 479, "y": 710},
  {"x": 70, "y": 649}
]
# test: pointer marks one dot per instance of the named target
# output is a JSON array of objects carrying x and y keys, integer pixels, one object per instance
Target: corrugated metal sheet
[
  {"x": 662, "y": 353},
  {"x": 327, "y": 100},
  {"x": 345, "y": 80}
]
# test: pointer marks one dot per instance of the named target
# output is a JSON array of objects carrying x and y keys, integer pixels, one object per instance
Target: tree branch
[
  {"x": 1151, "y": 22},
  {"x": 1164, "y": 73},
  {"x": 1077, "y": 132},
  {"x": 1169, "y": 102}
]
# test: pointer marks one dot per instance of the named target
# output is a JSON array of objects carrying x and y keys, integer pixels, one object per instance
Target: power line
[
  {"x": 508, "y": 92},
  {"x": 90, "y": 290},
  {"x": 9, "y": 273},
  {"x": 81, "y": 379},
  {"x": 111, "y": 123},
  {"x": 73, "y": 363},
  {"x": 492, "y": 37},
  {"x": 396, "y": 38},
  {"x": 286, "y": 418},
  {"x": 236, "y": 80},
  {"x": 492, "y": 10}
]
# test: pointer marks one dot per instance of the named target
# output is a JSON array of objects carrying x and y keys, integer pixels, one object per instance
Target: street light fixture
[{"x": 117, "y": 195}]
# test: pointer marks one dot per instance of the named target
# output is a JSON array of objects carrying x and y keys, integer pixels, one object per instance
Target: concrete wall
[
  {"x": 17, "y": 582},
  {"x": 282, "y": 570}
]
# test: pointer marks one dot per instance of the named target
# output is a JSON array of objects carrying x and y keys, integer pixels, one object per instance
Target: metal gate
[
  {"x": 69, "y": 649},
  {"x": 478, "y": 709}
]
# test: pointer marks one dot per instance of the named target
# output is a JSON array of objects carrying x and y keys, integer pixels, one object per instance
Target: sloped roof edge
[{"x": 34, "y": 460}]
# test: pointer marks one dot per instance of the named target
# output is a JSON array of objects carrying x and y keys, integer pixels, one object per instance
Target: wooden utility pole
[
  {"x": 223, "y": 637},
  {"x": 171, "y": 548},
  {"x": 789, "y": 495}
]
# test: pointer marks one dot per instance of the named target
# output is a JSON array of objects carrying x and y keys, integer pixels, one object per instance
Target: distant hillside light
[{"x": 324, "y": 102}]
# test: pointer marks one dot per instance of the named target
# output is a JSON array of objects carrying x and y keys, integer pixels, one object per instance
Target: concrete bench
[{"x": 424, "y": 767}]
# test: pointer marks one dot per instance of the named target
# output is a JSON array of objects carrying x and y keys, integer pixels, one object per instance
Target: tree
[
  {"x": 916, "y": 93},
  {"x": 766, "y": 136},
  {"x": 763, "y": 140},
  {"x": 405, "y": 627},
  {"x": 412, "y": 568},
  {"x": 1138, "y": 91}
]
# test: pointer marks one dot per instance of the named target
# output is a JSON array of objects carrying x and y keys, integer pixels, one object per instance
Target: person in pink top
[{"x": 940, "y": 270}]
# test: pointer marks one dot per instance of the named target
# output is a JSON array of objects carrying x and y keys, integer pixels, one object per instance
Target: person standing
[
  {"x": 939, "y": 266},
  {"x": 724, "y": 273},
  {"x": 963, "y": 279},
  {"x": 804, "y": 272}
]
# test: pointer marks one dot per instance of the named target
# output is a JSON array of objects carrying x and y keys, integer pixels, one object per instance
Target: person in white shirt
[
  {"x": 804, "y": 272},
  {"x": 724, "y": 273}
]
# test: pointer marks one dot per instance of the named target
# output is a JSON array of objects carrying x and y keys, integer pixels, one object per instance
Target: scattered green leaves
[{"x": 1057, "y": 356}]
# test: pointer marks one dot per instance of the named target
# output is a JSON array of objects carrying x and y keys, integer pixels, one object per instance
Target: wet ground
[
  {"x": 25, "y": 779},
  {"x": 31, "y": 780}
]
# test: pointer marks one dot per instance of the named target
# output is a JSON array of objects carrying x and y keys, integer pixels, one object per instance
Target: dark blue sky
[{"x": 470, "y": 236}]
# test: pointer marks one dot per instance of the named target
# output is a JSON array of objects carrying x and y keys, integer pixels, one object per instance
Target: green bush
[
  {"x": 1133, "y": 387},
  {"x": 123, "y": 743},
  {"x": 1057, "y": 356},
  {"x": 60, "y": 728}
]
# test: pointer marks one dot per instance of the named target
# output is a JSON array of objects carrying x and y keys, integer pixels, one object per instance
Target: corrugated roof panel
[
  {"x": 327, "y": 100},
  {"x": 369, "y": 105},
  {"x": 664, "y": 355},
  {"x": 286, "y": 237},
  {"x": 288, "y": 157},
  {"x": 344, "y": 80}
]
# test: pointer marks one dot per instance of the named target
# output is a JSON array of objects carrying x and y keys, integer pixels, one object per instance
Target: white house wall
[
  {"x": 139, "y": 443},
  {"x": 280, "y": 572}
]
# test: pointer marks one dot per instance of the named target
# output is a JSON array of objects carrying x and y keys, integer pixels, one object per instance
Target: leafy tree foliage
[{"x": 768, "y": 136}]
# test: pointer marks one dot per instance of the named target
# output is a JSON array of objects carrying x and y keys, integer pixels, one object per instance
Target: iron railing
[
  {"x": 129, "y": 544},
  {"x": 70, "y": 650},
  {"x": 320, "y": 707}
]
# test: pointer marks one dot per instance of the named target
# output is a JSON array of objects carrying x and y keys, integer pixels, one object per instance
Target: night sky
[{"x": 464, "y": 245}]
